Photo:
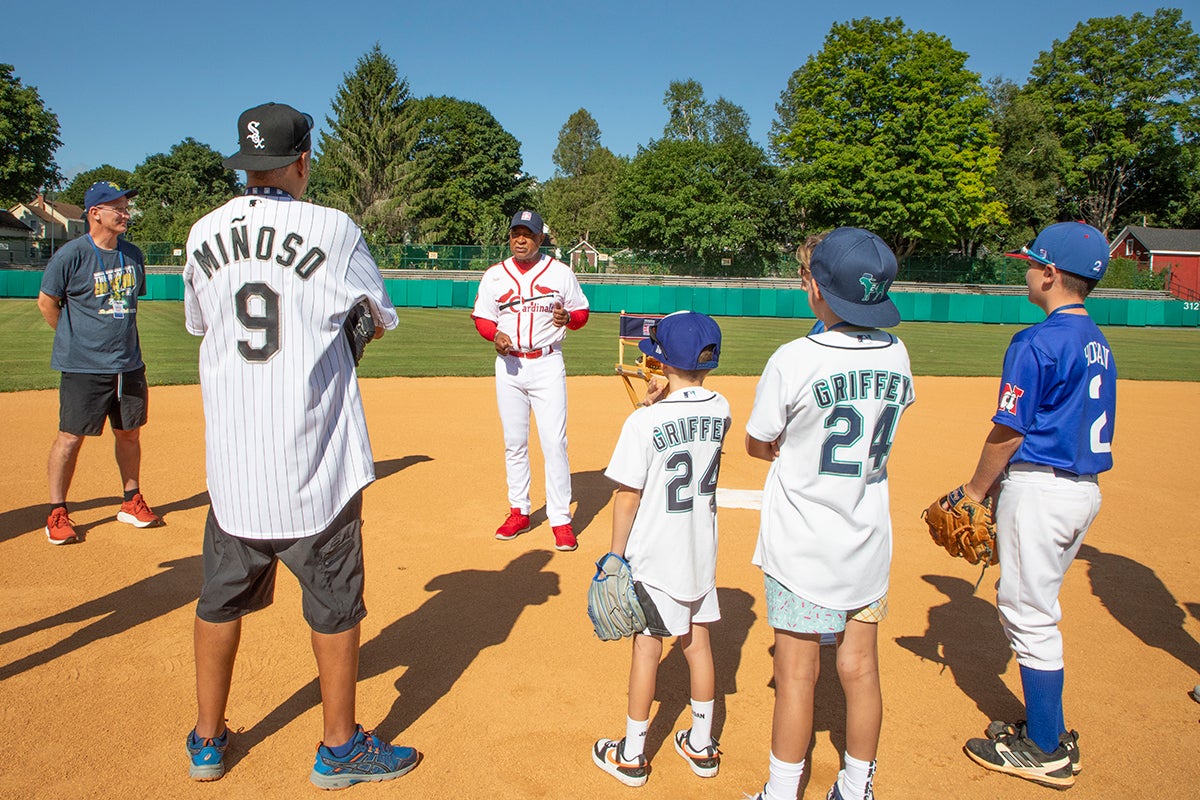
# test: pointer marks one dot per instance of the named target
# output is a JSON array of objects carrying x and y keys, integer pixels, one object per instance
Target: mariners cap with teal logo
[
  {"x": 679, "y": 339},
  {"x": 855, "y": 269},
  {"x": 527, "y": 219},
  {"x": 1074, "y": 247},
  {"x": 270, "y": 136},
  {"x": 102, "y": 192}
]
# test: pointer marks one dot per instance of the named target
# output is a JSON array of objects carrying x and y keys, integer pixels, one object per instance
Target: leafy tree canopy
[
  {"x": 886, "y": 129},
  {"x": 177, "y": 188},
  {"x": 578, "y": 141},
  {"x": 28, "y": 139},
  {"x": 77, "y": 188},
  {"x": 362, "y": 154},
  {"x": 578, "y": 202},
  {"x": 463, "y": 179},
  {"x": 1124, "y": 98}
]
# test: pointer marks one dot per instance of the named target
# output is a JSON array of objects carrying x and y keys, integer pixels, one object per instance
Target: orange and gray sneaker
[
  {"x": 137, "y": 513},
  {"x": 704, "y": 762},
  {"x": 59, "y": 527},
  {"x": 564, "y": 537},
  {"x": 609, "y": 755}
]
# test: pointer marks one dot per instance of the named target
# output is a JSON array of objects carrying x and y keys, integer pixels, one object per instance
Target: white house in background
[
  {"x": 53, "y": 221},
  {"x": 16, "y": 240}
]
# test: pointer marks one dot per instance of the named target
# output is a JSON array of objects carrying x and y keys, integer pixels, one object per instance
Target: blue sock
[
  {"x": 1043, "y": 706},
  {"x": 343, "y": 750}
]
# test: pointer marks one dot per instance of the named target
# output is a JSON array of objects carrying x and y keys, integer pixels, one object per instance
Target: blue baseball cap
[
  {"x": 678, "y": 340},
  {"x": 102, "y": 192},
  {"x": 855, "y": 269},
  {"x": 1074, "y": 247},
  {"x": 527, "y": 219}
]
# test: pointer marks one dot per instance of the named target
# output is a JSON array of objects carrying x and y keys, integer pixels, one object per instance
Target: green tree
[
  {"x": 28, "y": 139},
  {"x": 886, "y": 129},
  {"x": 728, "y": 121},
  {"x": 702, "y": 202},
  {"x": 463, "y": 178},
  {"x": 362, "y": 154},
  {"x": 688, "y": 112},
  {"x": 177, "y": 188},
  {"x": 1124, "y": 97},
  {"x": 1031, "y": 161},
  {"x": 578, "y": 202},
  {"x": 77, "y": 188}
]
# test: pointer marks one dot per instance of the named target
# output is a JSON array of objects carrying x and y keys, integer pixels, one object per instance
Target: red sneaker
[
  {"x": 137, "y": 513},
  {"x": 564, "y": 537},
  {"x": 516, "y": 524},
  {"x": 59, "y": 528}
]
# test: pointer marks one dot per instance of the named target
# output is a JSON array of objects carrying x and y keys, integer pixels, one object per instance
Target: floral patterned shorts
[{"x": 789, "y": 612}]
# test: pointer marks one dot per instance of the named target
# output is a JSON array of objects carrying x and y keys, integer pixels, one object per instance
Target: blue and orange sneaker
[
  {"x": 207, "y": 756},
  {"x": 368, "y": 760}
]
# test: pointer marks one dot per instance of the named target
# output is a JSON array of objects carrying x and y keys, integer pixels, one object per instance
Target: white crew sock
[
  {"x": 635, "y": 739},
  {"x": 701, "y": 735},
  {"x": 855, "y": 780},
  {"x": 785, "y": 780}
]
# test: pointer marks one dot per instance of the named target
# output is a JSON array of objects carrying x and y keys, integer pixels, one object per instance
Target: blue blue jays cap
[
  {"x": 855, "y": 269},
  {"x": 102, "y": 192},
  {"x": 270, "y": 136},
  {"x": 1074, "y": 247},
  {"x": 527, "y": 219},
  {"x": 678, "y": 340}
]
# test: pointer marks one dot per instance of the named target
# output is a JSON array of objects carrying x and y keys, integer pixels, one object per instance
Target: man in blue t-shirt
[
  {"x": 1052, "y": 436},
  {"x": 89, "y": 296}
]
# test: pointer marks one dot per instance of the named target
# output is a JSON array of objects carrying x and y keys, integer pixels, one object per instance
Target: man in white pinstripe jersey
[{"x": 268, "y": 283}]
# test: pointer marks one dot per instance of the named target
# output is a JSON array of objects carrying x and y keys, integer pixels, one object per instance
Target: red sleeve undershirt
[{"x": 486, "y": 328}]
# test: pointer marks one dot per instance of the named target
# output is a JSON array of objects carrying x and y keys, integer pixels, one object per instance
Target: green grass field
[{"x": 444, "y": 342}]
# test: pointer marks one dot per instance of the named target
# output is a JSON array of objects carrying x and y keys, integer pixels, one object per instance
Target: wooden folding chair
[{"x": 633, "y": 328}]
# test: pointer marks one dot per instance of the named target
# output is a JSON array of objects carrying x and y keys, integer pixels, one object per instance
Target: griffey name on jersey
[
  {"x": 268, "y": 245},
  {"x": 865, "y": 384},
  {"x": 688, "y": 429}
]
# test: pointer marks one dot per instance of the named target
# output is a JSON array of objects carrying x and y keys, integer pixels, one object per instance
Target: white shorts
[{"x": 675, "y": 617}]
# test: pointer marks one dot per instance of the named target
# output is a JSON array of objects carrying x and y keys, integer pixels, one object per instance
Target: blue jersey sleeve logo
[{"x": 1009, "y": 398}]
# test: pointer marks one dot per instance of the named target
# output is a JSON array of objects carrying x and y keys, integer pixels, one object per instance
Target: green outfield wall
[{"x": 725, "y": 301}]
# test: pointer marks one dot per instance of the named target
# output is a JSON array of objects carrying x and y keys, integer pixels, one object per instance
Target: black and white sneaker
[
  {"x": 1014, "y": 754},
  {"x": 706, "y": 761},
  {"x": 609, "y": 756},
  {"x": 1068, "y": 740}
]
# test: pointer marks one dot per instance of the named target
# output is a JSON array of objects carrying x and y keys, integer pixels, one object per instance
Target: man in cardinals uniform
[{"x": 525, "y": 306}]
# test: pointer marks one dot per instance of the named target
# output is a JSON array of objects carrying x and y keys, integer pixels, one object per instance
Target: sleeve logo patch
[{"x": 1009, "y": 398}]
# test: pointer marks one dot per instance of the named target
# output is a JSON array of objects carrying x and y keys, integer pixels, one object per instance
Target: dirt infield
[{"x": 479, "y": 652}]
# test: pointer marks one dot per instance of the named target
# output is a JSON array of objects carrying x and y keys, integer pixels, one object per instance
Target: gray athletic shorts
[
  {"x": 85, "y": 400},
  {"x": 239, "y": 574}
]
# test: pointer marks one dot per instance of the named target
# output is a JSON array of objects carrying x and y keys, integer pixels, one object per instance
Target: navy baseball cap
[
  {"x": 102, "y": 192},
  {"x": 270, "y": 136},
  {"x": 527, "y": 219},
  {"x": 1074, "y": 247},
  {"x": 678, "y": 340},
  {"x": 855, "y": 269}
]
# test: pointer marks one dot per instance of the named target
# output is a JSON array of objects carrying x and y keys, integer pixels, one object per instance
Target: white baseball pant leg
[
  {"x": 548, "y": 396},
  {"x": 1041, "y": 520},
  {"x": 513, "y": 402}
]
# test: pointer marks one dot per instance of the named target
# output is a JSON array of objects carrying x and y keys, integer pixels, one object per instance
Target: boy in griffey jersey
[
  {"x": 825, "y": 414},
  {"x": 665, "y": 525},
  {"x": 1052, "y": 435}
]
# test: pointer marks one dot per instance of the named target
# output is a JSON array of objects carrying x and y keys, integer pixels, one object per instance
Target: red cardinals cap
[{"x": 270, "y": 136}]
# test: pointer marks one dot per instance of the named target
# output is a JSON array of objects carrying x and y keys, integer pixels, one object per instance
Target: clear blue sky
[{"x": 131, "y": 79}]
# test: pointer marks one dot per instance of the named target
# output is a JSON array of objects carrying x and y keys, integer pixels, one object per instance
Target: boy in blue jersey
[{"x": 1052, "y": 436}]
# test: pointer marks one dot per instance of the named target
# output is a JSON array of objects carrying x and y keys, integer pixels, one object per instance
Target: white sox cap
[{"x": 270, "y": 136}]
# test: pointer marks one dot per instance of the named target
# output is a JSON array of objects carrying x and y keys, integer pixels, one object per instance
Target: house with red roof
[{"x": 1171, "y": 250}]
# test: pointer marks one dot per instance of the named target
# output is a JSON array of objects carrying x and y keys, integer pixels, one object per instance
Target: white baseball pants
[
  {"x": 1041, "y": 519},
  {"x": 540, "y": 385}
]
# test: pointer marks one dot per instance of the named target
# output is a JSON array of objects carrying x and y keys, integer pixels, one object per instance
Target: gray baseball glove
[
  {"x": 359, "y": 329},
  {"x": 612, "y": 602}
]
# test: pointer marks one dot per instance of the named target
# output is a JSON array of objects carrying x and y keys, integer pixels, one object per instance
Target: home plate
[{"x": 739, "y": 498}]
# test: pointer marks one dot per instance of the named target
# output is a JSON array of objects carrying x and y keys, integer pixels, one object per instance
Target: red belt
[{"x": 531, "y": 353}]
